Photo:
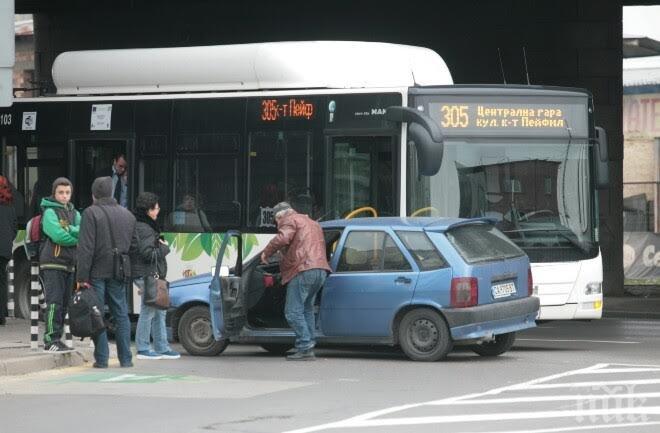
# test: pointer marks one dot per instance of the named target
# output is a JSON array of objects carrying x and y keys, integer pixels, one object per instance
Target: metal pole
[
  {"x": 34, "y": 305},
  {"x": 68, "y": 338},
  {"x": 10, "y": 299}
]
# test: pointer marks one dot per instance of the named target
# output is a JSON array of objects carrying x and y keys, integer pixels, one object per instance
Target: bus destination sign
[
  {"x": 273, "y": 110},
  {"x": 501, "y": 118}
]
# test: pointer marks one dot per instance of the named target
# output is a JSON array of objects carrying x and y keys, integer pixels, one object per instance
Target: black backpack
[{"x": 86, "y": 314}]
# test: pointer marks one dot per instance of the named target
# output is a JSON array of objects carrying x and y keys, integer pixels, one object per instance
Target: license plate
[{"x": 503, "y": 290}]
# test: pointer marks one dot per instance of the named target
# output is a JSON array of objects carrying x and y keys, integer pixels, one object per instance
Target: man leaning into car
[{"x": 304, "y": 268}]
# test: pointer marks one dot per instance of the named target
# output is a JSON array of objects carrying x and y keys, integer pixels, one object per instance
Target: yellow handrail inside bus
[
  {"x": 360, "y": 210},
  {"x": 425, "y": 209}
]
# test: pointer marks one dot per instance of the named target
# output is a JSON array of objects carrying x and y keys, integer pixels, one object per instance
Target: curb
[{"x": 43, "y": 361}]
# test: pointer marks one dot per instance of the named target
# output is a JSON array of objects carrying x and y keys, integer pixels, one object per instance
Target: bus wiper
[{"x": 560, "y": 232}]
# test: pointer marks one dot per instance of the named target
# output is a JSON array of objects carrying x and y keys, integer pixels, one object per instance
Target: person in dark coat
[
  {"x": 96, "y": 265},
  {"x": 148, "y": 251},
  {"x": 7, "y": 235}
]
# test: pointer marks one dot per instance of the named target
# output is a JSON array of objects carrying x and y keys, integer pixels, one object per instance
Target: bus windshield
[{"x": 537, "y": 190}]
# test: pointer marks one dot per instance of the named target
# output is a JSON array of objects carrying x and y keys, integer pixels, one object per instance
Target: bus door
[
  {"x": 361, "y": 174},
  {"x": 280, "y": 168},
  {"x": 92, "y": 157}
]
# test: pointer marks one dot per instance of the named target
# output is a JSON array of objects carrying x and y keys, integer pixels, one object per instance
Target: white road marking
[
  {"x": 573, "y": 397},
  {"x": 552, "y": 414},
  {"x": 624, "y": 370},
  {"x": 577, "y": 341},
  {"x": 371, "y": 419},
  {"x": 602, "y": 383}
]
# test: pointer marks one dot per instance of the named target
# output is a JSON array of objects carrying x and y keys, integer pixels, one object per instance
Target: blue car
[{"x": 424, "y": 284}]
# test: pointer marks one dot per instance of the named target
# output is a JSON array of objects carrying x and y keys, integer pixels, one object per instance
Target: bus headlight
[{"x": 593, "y": 289}]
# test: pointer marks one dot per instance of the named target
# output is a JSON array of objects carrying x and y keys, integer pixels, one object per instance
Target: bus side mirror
[
  {"x": 424, "y": 133},
  {"x": 602, "y": 160}
]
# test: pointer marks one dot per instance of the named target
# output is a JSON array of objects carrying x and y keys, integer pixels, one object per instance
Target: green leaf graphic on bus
[{"x": 192, "y": 245}]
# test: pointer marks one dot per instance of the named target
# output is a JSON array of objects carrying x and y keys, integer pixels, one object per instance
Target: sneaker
[
  {"x": 97, "y": 365},
  {"x": 148, "y": 354},
  {"x": 57, "y": 346},
  {"x": 126, "y": 365},
  {"x": 170, "y": 354},
  {"x": 303, "y": 355}
]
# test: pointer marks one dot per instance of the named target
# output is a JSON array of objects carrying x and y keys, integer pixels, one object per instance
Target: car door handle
[{"x": 403, "y": 280}]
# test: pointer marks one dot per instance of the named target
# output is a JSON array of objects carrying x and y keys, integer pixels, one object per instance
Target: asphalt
[{"x": 16, "y": 356}]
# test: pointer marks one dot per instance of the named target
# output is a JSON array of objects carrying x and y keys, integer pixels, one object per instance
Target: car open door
[{"x": 226, "y": 295}]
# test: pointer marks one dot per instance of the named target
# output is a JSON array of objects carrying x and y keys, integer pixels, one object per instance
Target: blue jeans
[
  {"x": 299, "y": 309},
  {"x": 113, "y": 293},
  {"x": 150, "y": 324}
]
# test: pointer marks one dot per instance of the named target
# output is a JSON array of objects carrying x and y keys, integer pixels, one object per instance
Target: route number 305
[{"x": 455, "y": 116}]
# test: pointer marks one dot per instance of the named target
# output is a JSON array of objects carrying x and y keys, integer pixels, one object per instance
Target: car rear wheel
[
  {"x": 424, "y": 335},
  {"x": 277, "y": 349},
  {"x": 501, "y": 344},
  {"x": 196, "y": 335}
]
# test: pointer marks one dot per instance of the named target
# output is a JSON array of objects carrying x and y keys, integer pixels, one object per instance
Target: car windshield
[{"x": 538, "y": 191}]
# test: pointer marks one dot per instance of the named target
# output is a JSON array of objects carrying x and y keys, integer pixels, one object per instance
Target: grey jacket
[
  {"x": 94, "y": 243},
  {"x": 7, "y": 229},
  {"x": 145, "y": 244}
]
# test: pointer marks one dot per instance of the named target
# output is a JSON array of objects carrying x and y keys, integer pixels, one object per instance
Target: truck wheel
[
  {"x": 501, "y": 344},
  {"x": 196, "y": 335},
  {"x": 424, "y": 335}
]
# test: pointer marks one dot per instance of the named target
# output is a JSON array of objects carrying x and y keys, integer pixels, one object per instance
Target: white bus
[{"x": 340, "y": 129}]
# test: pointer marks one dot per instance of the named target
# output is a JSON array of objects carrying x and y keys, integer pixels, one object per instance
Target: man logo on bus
[
  {"x": 378, "y": 111},
  {"x": 331, "y": 109}
]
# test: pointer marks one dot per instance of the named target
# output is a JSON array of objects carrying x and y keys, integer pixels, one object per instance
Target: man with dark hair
[
  {"x": 119, "y": 174},
  {"x": 304, "y": 267},
  {"x": 60, "y": 223},
  {"x": 105, "y": 224}
]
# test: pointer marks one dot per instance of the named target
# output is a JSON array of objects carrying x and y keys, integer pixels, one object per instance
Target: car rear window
[
  {"x": 422, "y": 250},
  {"x": 482, "y": 243}
]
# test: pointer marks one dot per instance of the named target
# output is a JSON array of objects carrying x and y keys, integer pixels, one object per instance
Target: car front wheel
[
  {"x": 501, "y": 344},
  {"x": 424, "y": 335},
  {"x": 196, "y": 335}
]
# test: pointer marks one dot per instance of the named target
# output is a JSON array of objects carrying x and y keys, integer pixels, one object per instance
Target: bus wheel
[
  {"x": 195, "y": 333},
  {"x": 22, "y": 288},
  {"x": 501, "y": 344},
  {"x": 424, "y": 335},
  {"x": 276, "y": 349}
]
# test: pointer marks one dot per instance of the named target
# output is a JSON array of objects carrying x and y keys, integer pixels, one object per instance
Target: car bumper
[{"x": 487, "y": 320}]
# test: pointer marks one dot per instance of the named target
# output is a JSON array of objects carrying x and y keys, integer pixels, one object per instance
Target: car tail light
[
  {"x": 464, "y": 292},
  {"x": 530, "y": 282}
]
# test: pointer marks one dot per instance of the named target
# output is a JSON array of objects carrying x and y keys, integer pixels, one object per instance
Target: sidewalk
[{"x": 16, "y": 357}]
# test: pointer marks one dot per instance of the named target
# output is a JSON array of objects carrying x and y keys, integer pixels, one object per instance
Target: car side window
[
  {"x": 393, "y": 258},
  {"x": 368, "y": 251},
  {"x": 422, "y": 249}
]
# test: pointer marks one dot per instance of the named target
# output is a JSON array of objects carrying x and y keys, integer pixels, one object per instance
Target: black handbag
[
  {"x": 86, "y": 314},
  {"x": 156, "y": 289},
  {"x": 121, "y": 262}
]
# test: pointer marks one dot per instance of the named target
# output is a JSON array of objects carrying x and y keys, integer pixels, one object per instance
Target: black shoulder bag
[{"x": 121, "y": 262}]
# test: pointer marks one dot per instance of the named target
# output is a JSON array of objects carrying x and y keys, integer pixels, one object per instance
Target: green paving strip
[{"x": 124, "y": 378}]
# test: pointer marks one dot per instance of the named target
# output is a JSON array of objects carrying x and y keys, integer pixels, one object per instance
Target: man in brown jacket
[{"x": 304, "y": 268}]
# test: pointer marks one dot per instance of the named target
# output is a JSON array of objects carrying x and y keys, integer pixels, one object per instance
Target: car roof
[{"x": 410, "y": 223}]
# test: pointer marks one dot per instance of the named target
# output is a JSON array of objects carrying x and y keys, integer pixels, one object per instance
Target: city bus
[{"x": 339, "y": 129}]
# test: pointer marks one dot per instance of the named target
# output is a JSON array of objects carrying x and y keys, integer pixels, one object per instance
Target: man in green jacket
[{"x": 60, "y": 224}]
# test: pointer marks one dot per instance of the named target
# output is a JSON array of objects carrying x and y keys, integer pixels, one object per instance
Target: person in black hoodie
[
  {"x": 7, "y": 235},
  {"x": 148, "y": 251}
]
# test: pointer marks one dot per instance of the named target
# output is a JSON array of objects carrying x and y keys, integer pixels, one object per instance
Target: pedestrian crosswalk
[{"x": 619, "y": 397}]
